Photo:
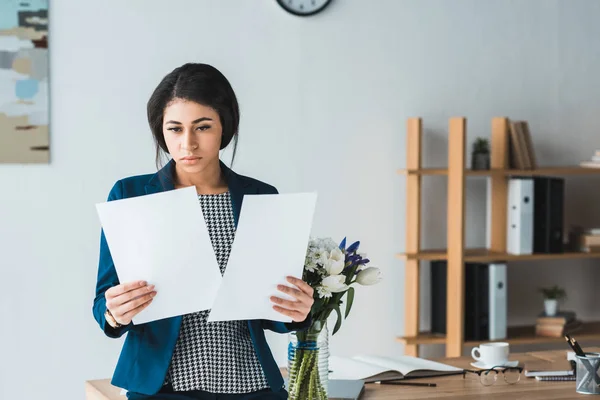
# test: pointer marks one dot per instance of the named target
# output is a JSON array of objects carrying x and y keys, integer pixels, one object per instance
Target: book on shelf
[
  {"x": 378, "y": 368},
  {"x": 557, "y": 330},
  {"x": 590, "y": 249},
  {"x": 522, "y": 155},
  {"x": 584, "y": 240},
  {"x": 594, "y": 162},
  {"x": 557, "y": 325},
  {"x": 517, "y": 152},
  {"x": 590, "y": 164},
  {"x": 528, "y": 144},
  {"x": 588, "y": 242}
]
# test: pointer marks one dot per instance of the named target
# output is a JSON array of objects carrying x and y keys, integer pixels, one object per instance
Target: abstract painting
[{"x": 24, "y": 81}]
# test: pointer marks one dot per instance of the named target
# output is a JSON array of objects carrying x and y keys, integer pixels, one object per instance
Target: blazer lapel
[{"x": 163, "y": 180}]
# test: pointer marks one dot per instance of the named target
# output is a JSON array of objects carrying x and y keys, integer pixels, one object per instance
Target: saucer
[{"x": 482, "y": 365}]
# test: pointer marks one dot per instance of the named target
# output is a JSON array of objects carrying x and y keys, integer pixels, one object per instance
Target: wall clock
[{"x": 303, "y": 8}]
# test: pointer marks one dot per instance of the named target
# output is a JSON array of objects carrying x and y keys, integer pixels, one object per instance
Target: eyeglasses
[{"x": 487, "y": 377}]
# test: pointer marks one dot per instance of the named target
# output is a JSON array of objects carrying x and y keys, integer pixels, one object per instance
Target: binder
[
  {"x": 477, "y": 301},
  {"x": 498, "y": 301},
  {"x": 485, "y": 300},
  {"x": 548, "y": 218},
  {"x": 520, "y": 216}
]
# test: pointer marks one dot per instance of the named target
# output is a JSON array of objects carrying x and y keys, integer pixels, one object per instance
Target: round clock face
[{"x": 303, "y": 8}]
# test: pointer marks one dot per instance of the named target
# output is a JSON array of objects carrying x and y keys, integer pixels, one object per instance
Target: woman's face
[{"x": 192, "y": 134}]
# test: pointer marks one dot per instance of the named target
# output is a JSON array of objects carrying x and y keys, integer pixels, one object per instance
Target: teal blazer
[{"x": 148, "y": 348}]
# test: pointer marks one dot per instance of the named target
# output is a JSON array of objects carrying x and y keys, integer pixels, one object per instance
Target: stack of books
[
  {"x": 589, "y": 240},
  {"x": 594, "y": 162},
  {"x": 564, "y": 322}
]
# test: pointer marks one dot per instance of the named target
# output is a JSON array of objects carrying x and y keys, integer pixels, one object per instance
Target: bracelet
[{"x": 111, "y": 319}]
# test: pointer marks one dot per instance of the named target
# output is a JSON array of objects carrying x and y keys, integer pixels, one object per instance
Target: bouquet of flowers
[{"x": 331, "y": 270}]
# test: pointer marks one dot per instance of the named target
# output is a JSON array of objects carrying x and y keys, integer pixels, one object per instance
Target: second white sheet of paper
[{"x": 270, "y": 243}]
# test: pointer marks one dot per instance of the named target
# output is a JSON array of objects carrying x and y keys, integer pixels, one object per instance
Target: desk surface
[{"x": 454, "y": 387}]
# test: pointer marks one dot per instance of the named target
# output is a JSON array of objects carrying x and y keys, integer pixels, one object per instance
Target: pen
[
  {"x": 574, "y": 347},
  {"x": 425, "y": 384},
  {"x": 578, "y": 347}
]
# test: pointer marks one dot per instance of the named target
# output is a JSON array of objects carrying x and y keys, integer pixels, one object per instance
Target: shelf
[
  {"x": 569, "y": 170},
  {"x": 423, "y": 338},
  {"x": 517, "y": 335},
  {"x": 544, "y": 171},
  {"x": 443, "y": 171},
  {"x": 484, "y": 255}
]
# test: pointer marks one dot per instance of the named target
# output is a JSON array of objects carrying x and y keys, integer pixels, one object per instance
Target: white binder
[
  {"x": 520, "y": 216},
  {"x": 498, "y": 302}
]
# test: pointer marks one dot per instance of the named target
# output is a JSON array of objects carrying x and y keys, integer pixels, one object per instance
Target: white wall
[{"x": 324, "y": 102}]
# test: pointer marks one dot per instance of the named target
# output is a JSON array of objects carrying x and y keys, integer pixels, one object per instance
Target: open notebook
[{"x": 374, "y": 368}]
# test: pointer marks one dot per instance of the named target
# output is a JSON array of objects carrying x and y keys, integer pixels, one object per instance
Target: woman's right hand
[{"x": 126, "y": 300}]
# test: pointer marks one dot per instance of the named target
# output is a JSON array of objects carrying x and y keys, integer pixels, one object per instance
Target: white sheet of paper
[
  {"x": 270, "y": 243},
  {"x": 162, "y": 238}
]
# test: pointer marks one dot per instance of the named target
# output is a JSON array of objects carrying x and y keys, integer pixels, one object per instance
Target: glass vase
[{"x": 308, "y": 363}]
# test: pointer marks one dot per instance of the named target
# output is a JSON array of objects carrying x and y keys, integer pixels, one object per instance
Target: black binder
[
  {"x": 476, "y": 300},
  {"x": 548, "y": 215}
]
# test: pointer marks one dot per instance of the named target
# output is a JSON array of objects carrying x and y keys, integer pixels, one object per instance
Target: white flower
[
  {"x": 369, "y": 276},
  {"x": 310, "y": 265},
  {"x": 323, "y": 257},
  {"x": 333, "y": 284},
  {"x": 323, "y": 292},
  {"x": 335, "y": 263}
]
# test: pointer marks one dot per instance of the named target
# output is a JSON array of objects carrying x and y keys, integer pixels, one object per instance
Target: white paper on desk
[
  {"x": 162, "y": 238},
  {"x": 270, "y": 243}
]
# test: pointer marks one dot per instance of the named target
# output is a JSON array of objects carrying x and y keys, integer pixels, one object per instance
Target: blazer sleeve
[
  {"x": 284, "y": 327},
  {"x": 107, "y": 277}
]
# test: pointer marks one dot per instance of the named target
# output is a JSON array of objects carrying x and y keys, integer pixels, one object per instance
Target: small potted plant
[
  {"x": 480, "y": 157},
  {"x": 552, "y": 295}
]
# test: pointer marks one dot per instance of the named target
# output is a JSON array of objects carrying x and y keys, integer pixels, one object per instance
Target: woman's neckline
[
  {"x": 213, "y": 194},
  {"x": 203, "y": 194}
]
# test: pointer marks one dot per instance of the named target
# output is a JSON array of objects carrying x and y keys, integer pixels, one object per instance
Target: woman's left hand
[{"x": 299, "y": 309}]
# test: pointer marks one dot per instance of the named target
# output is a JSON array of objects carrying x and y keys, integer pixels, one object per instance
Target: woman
[{"x": 193, "y": 113}]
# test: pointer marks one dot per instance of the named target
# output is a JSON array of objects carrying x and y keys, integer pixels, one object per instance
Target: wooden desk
[{"x": 454, "y": 387}]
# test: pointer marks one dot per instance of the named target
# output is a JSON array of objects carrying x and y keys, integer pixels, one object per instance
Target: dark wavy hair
[{"x": 203, "y": 84}]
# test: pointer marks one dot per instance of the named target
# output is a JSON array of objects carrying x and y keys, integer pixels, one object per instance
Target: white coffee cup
[{"x": 491, "y": 354}]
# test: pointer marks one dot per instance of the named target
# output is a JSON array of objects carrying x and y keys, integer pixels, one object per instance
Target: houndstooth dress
[{"x": 216, "y": 357}]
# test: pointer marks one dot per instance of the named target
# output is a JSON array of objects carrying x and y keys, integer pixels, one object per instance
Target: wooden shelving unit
[{"x": 456, "y": 254}]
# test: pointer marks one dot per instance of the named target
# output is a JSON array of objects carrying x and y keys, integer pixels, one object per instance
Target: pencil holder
[{"x": 588, "y": 380}]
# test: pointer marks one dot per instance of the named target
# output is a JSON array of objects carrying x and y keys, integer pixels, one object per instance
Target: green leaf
[
  {"x": 349, "y": 299},
  {"x": 338, "y": 324},
  {"x": 318, "y": 305}
]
